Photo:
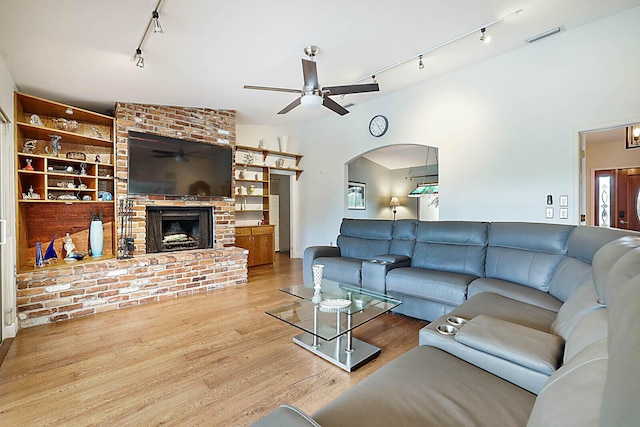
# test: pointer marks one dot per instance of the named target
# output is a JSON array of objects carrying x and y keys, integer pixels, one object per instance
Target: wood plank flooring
[{"x": 212, "y": 359}]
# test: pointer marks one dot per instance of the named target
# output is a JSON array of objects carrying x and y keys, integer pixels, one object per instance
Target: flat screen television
[{"x": 161, "y": 165}]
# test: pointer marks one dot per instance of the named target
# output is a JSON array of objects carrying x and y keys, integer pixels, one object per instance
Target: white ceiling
[
  {"x": 400, "y": 156},
  {"x": 81, "y": 51}
]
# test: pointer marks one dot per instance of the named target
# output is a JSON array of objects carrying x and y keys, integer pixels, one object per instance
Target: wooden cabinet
[
  {"x": 64, "y": 170},
  {"x": 259, "y": 240}
]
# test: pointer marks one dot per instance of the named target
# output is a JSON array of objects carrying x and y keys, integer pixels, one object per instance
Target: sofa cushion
[
  {"x": 586, "y": 240},
  {"x": 627, "y": 267},
  {"x": 591, "y": 328},
  {"x": 362, "y": 239},
  {"x": 533, "y": 349},
  {"x": 428, "y": 387},
  {"x": 361, "y": 248},
  {"x": 622, "y": 387},
  {"x": 341, "y": 269},
  {"x": 514, "y": 291},
  {"x": 500, "y": 307},
  {"x": 454, "y": 246},
  {"x": 581, "y": 302},
  {"x": 286, "y": 415},
  {"x": 573, "y": 394},
  {"x": 525, "y": 253},
  {"x": 433, "y": 285},
  {"x": 404, "y": 237},
  {"x": 606, "y": 258},
  {"x": 567, "y": 276}
]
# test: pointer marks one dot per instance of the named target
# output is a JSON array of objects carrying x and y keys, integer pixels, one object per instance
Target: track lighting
[
  {"x": 420, "y": 63},
  {"x": 155, "y": 17},
  {"x": 484, "y": 38},
  {"x": 139, "y": 58},
  {"x": 157, "y": 28}
]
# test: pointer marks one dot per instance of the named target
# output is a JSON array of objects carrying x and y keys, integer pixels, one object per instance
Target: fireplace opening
[{"x": 178, "y": 228}]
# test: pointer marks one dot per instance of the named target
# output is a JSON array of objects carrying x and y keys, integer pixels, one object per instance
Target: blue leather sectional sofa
[{"x": 551, "y": 335}]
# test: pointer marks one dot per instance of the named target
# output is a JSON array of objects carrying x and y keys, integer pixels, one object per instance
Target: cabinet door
[
  {"x": 263, "y": 244},
  {"x": 246, "y": 242}
]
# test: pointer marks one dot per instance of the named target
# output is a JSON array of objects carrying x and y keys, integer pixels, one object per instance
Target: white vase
[
  {"x": 282, "y": 142},
  {"x": 96, "y": 238}
]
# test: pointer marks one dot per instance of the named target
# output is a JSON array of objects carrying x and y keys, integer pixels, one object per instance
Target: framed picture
[
  {"x": 633, "y": 136},
  {"x": 356, "y": 195}
]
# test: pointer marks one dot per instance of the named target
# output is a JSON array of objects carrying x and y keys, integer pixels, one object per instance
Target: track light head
[
  {"x": 139, "y": 58},
  {"x": 420, "y": 63},
  {"x": 155, "y": 17},
  {"x": 484, "y": 37}
]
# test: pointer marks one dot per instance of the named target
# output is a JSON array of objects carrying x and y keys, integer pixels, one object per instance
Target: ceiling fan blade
[
  {"x": 290, "y": 107},
  {"x": 310, "y": 73},
  {"x": 334, "y": 106},
  {"x": 273, "y": 89},
  {"x": 343, "y": 90}
]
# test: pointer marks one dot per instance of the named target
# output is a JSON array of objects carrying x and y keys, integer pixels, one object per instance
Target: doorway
[
  {"x": 280, "y": 211},
  {"x": 616, "y": 198},
  {"x": 610, "y": 170}
]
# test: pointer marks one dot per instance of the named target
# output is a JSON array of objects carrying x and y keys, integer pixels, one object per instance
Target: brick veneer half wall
[{"x": 70, "y": 291}]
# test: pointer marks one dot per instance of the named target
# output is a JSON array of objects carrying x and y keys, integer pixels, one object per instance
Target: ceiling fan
[
  {"x": 312, "y": 94},
  {"x": 179, "y": 155}
]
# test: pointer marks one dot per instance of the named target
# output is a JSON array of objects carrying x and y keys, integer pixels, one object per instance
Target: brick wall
[
  {"x": 197, "y": 124},
  {"x": 56, "y": 294},
  {"x": 70, "y": 291}
]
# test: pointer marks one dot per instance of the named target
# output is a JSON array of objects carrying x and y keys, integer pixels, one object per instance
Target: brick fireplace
[
  {"x": 56, "y": 294},
  {"x": 171, "y": 229}
]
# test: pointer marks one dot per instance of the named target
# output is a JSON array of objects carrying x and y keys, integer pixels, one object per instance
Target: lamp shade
[
  {"x": 423, "y": 189},
  {"x": 311, "y": 100},
  {"x": 394, "y": 202}
]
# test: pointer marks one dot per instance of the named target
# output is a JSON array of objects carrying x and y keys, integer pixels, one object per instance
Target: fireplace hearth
[{"x": 178, "y": 228}]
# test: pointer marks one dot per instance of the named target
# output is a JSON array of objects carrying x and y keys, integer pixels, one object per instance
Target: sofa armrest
[
  {"x": 313, "y": 252},
  {"x": 286, "y": 415},
  {"x": 390, "y": 259},
  {"x": 533, "y": 349},
  {"x": 374, "y": 272}
]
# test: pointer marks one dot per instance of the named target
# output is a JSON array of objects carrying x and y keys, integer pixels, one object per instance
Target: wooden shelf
[{"x": 38, "y": 220}]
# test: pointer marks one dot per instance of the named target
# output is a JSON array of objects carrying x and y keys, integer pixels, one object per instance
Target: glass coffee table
[{"x": 328, "y": 325}]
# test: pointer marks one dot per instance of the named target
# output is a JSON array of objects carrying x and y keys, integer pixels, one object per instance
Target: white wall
[
  {"x": 7, "y": 203},
  {"x": 507, "y": 128}
]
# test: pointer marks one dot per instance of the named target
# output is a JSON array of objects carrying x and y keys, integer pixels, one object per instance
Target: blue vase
[
  {"x": 39, "y": 257},
  {"x": 96, "y": 238}
]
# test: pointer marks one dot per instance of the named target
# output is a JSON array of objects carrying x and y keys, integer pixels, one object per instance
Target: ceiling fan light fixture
[{"x": 311, "y": 100}]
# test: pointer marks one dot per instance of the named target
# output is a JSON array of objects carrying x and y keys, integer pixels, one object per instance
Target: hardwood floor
[{"x": 212, "y": 359}]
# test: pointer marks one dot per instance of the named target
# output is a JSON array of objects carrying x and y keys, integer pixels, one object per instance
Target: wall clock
[{"x": 378, "y": 125}]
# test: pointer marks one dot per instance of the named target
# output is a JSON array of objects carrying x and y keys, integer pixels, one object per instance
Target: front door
[
  {"x": 628, "y": 192},
  {"x": 617, "y": 198}
]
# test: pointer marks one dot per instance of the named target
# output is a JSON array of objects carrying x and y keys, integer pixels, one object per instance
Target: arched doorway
[{"x": 393, "y": 171}]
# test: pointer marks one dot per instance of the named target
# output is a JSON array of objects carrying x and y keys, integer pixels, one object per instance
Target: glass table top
[{"x": 329, "y": 324}]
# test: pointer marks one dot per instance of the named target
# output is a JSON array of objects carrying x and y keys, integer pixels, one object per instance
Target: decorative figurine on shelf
[
  {"x": 29, "y": 145},
  {"x": 242, "y": 173},
  {"x": 252, "y": 189},
  {"x": 50, "y": 255},
  {"x": 98, "y": 135},
  {"x": 28, "y": 167},
  {"x": 83, "y": 168},
  {"x": 55, "y": 145},
  {"x": 35, "y": 120},
  {"x": 280, "y": 163},
  {"x": 97, "y": 158},
  {"x": 248, "y": 158},
  {"x": 70, "y": 250},
  {"x": 261, "y": 143},
  {"x": 262, "y": 220},
  {"x": 31, "y": 194}
]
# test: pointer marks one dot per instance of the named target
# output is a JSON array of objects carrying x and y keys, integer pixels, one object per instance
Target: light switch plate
[
  {"x": 548, "y": 213},
  {"x": 563, "y": 213},
  {"x": 564, "y": 200}
]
